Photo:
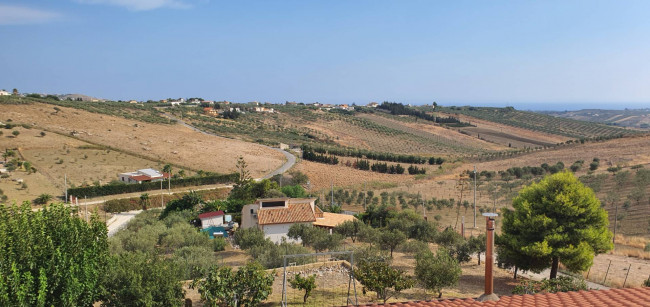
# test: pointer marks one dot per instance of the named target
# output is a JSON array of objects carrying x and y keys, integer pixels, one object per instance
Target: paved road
[
  {"x": 291, "y": 159},
  {"x": 119, "y": 221}
]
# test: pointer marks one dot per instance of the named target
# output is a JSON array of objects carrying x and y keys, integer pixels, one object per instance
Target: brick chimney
[{"x": 489, "y": 259}]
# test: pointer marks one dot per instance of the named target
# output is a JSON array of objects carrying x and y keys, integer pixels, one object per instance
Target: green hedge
[
  {"x": 122, "y": 205},
  {"x": 94, "y": 191}
]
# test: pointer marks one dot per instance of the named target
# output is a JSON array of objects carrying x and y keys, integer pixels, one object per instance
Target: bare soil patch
[{"x": 169, "y": 143}]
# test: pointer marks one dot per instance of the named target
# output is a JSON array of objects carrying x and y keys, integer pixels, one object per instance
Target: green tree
[
  {"x": 27, "y": 166},
  {"x": 42, "y": 133},
  {"x": 350, "y": 229},
  {"x": 167, "y": 168},
  {"x": 556, "y": 219},
  {"x": 304, "y": 283},
  {"x": 140, "y": 279},
  {"x": 378, "y": 276},
  {"x": 391, "y": 239},
  {"x": 144, "y": 200},
  {"x": 50, "y": 257},
  {"x": 250, "y": 237},
  {"x": 477, "y": 245},
  {"x": 15, "y": 133},
  {"x": 189, "y": 201},
  {"x": 294, "y": 191},
  {"x": 437, "y": 271},
  {"x": 249, "y": 286},
  {"x": 42, "y": 199}
]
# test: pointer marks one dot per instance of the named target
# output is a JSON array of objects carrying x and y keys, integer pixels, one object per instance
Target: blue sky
[{"x": 527, "y": 54}]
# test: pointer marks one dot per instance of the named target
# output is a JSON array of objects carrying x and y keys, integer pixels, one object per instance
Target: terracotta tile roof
[
  {"x": 210, "y": 214},
  {"x": 333, "y": 219},
  {"x": 318, "y": 212},
  {"x": 295, "y": 213},
  {"x": 140, "y": 177},
  {"x": 611, "y": 297}
]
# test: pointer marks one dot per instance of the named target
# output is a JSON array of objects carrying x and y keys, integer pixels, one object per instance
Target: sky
[{"x": 537, "y": 55}]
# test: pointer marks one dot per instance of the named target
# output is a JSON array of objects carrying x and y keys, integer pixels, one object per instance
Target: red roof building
[
  {"x": 638, "y": 297},
  {"x": 211, "y": 214}
]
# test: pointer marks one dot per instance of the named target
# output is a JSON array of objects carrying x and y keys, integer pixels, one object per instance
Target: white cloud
[
  {"x": 20, "y": 15},
  {"x": 142, "y": 5}
]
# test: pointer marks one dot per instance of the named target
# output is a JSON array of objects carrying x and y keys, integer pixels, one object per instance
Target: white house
[
  {"x": 214, "y": 218},
  {"x": 143, "y": 175},
  {"x": 4, "y": 93},
  {"x": 275, "y": 216}
]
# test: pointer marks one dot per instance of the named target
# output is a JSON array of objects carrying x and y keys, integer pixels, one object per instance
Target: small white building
[
  {"x": 214, "y": 218},
  {"x": 143, "y": 175},
  {"x": 275, "y": 216},
  {"x": 4, "y": 93}
]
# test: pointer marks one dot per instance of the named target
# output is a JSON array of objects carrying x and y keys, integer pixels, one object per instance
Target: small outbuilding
[{"x": 214, "y": 218}]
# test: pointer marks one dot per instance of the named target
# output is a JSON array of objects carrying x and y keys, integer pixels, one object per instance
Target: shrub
[
  {"x": 559, "y": 284},
  {"x": 141, "y": 279},
  {"x": 221, "y": 287},
  {"x": 378, "y": 276},
  {"x": 42, "y": 199},
  {"x": 250, "y": 237},
  {"x": 194, "y": 261},
  {"x": 303, "y": 283},
  {"x": 437, "y": 271}
]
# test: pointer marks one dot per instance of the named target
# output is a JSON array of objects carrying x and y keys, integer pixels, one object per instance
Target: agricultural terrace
[
  {"x": 301, "y": 124},
  {"x": 541, "y": 122}
]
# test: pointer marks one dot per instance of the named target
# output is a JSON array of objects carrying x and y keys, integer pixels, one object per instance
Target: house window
[{"x": 251, "y": 211}]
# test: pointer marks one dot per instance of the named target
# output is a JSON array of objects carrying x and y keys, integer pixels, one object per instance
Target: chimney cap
[{"x": 490, "y": 214}]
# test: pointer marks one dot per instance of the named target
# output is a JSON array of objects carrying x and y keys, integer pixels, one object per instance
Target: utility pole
[
  {"x": 162, "y": 204},
  {"x": 474, "y": 196}
]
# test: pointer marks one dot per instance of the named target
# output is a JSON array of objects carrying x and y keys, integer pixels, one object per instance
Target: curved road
[
  {"x": 119, "y": 220},
  {"x": 291, "y": 159}
]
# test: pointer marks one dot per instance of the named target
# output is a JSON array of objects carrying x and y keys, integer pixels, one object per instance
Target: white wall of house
[
  {"x": 275, "y": 232},
  {"x": 212, "y": 221},
  {"x": 126, "y": 179}
]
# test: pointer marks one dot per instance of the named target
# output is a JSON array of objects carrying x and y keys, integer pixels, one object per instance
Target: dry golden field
[{"x": 169, "y": 143}]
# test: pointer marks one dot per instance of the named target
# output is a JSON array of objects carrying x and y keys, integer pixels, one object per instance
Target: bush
[
  {"x": 221, "y": 287},
  {"x": 437, "y": 271},
  {"x": 194, "y": 261},
  {"x": 560, "y": 284},
  {"x": 646, "y": 283},
  {"x": 270, "y": 255},
  {"x": 139, "y": 279},
  {"x": 647, "y": 248},
  {"x": 413, "y": 247},
  {"x": 121, "y": 205},
  {"x": 304, "y": 283},
  {"x": 250, "y": 237}
]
